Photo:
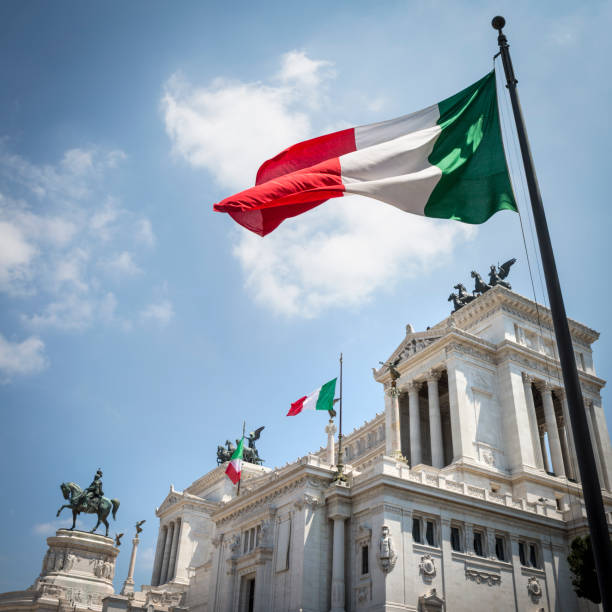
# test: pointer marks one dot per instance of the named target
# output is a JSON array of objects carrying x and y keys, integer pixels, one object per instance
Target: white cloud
[
  {"x": 63, "y": 522},
  {"x": 71, "y": 312},
  {"x": 103, "y": 220},
  {"x": 160, "y": 312},
  {"x": 230, "y": 127},
  {"x": 144, "y": 232},
  {"x": 59, "y": 228},
  {"x": 298, "y": 69},
  {"x": 21, "y": 358},
  {"x": 341, "y": 253},
  {"x": 122, "y": 264}
]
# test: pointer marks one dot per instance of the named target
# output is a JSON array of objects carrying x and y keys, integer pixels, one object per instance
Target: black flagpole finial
[{"x": 498, "y": 23}]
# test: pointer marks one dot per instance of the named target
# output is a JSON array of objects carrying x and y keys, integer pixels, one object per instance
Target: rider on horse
[{"x": 92, "y": 495}]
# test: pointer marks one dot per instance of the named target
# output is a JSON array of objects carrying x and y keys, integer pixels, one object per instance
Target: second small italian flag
[
  {"x": 320, "y": 399},
  {"x": 234, "y": 468}
]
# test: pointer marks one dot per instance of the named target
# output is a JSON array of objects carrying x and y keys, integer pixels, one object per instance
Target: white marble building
[{"x": 462, "y": 494}]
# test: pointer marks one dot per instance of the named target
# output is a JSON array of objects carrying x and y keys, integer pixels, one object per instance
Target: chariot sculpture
[{"x": 497, "y": 274}]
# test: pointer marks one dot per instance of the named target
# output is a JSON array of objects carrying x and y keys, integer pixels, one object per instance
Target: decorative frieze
[{"x": 482, "y": 577}]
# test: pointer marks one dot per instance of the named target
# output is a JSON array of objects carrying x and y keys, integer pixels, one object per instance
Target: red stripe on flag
[
  {"x": 234, "y": 476},
  {"x": 306, "y": 154},
  {"x": 264, "y": 207},
  {"x": 296, "y": 407}
]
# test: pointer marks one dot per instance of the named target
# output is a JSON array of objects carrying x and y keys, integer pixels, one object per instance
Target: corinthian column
[
  {"x": 415, "y": 423},
  {"x": 435, "y": 420},
  {"x": 533, "y": 421},
  {"x": 554, "y": 443},
  {"x": 569, "y": 435},
  {"x": 396, "y": 438},
  {"x": 164, "y": 571}
]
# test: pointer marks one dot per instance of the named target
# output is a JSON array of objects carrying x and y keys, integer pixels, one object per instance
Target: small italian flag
[
  {"x": 445, "y": 161},
  {"x": 321, "y": 399},
  {"x": 234, "y": 468}
]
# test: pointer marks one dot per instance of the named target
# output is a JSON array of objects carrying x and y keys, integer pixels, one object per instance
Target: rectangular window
[
  {"x": 478, "y": 549},
  {"x": 522, "y": 556},
  {"x": 429, "y": 533},
  {"x": 500, "y": 553},
  {"x": 455, "y": 539},
  {"x": 416, "y": 530},
  {"x": 533, "y": 556},
  {"x": 365, "y": 561}
]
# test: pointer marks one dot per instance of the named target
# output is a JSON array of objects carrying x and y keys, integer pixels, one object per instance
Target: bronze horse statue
[{"x": 73, "y": 493}]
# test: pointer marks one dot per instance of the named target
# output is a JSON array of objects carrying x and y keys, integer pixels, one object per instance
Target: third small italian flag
[
  {"x": 234, "y": 468},
  {"x": 320, "y": 399}
]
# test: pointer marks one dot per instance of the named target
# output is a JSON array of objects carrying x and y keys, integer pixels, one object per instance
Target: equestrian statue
[{"x": 89, "y": 501}]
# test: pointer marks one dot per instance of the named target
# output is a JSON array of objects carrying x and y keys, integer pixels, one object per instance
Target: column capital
[
  {"x": 588, "y": 402},
  {"x": 544, "y": 386},
  {"x": 560, "y": 392},
  {"x": 433, "y": 375},
  {"x": 392, "y": 391},
  {"x": 527, "y": 378},
  {"x": 414, "y": 385}
]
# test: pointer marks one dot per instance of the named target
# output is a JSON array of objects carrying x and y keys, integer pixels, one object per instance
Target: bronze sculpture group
[
  {"x": 497, "y": 274},
  {"x": 249, "y": 453}
]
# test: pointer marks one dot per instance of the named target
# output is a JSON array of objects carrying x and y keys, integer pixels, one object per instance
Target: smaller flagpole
[
  {"x": 240, "y": 479},
  {"x": 340, "y": 471}
]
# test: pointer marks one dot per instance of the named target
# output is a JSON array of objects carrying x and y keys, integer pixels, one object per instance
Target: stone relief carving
[
  {"x": 234, "y": 544},
  {"x": 534, "y": 588},
  {"x": 482, "y": 577},
  {"x": 427, "y": 567},
  {"x": 363, "y": 594},
  {"x": 387, "y": 556}
]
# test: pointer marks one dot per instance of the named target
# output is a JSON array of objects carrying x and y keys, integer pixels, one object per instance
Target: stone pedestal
[{"x": 78, "y": 569}]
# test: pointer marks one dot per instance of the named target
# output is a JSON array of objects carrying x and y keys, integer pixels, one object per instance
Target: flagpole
[
  {"x": 598, "y": 527},
  {"x": 340, "y": 471},
  {"x": 240, "y": 479}
]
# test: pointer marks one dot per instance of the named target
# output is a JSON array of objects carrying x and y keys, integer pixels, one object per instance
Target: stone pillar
[
  {"x": 173, "y": 552},
  {"x": 339, "y": 509},
  {"x": 415, "y": 422},
  {"x": 128, "y": 585},
  {"x": 163, "y": 578},
  {"x": 588, "y": 404},
  {"x": 396, "y": 439},
  {"x": 330, "y": 430},
  {"x": 159, "y": 556},
  {"x": 533, "y": 421},
  {"x": 337, "y": 594},
  {"x": 469, "y": 539},
  {"x": 547, "y": 466},
  {"x": 435, "y": 420},
  {"x": 574, "y": 472},
  {"x": 551, "y": 428}
]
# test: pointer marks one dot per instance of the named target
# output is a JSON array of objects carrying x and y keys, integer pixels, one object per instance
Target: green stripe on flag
[
  {"x": 475, "y": 183},
  {"x": 325, "y": 401},
  {"x": 237, "y": 454}
]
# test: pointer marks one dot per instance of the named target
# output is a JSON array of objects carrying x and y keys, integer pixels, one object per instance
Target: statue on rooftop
[{"x": 497, "y": 274}]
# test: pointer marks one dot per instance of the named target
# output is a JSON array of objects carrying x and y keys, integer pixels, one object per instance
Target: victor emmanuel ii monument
[{"x": 462, "y": 493}]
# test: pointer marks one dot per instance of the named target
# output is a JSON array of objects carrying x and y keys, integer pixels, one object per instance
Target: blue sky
[{"x": 138, "y": 329}]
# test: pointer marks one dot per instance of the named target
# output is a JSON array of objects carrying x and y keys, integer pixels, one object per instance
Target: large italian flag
[
  {"x": 320, "y": 399},
  {"x": 234, "y": 467},
  {"x": 444, "y": 161}
]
